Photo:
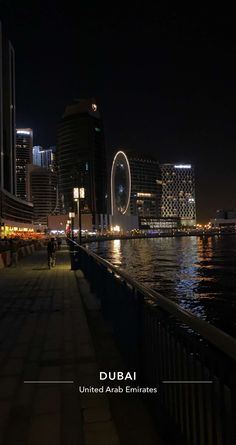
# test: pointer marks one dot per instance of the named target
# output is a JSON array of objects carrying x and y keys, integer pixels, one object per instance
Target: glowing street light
[{"x": 79, "y": 193}]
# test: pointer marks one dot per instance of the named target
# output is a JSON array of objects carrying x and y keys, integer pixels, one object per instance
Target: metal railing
[{"x": 167, "y": 345}]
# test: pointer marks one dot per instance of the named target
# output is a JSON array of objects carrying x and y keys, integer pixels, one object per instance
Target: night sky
[{"x": 165, "y": 80}]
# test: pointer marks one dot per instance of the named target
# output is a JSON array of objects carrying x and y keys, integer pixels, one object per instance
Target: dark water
[{"x": 197, "y": 273}]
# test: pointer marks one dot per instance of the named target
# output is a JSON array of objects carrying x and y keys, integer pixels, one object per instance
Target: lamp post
[
  {"x": 72, "y": 216},
  {"x": 79, "y": 194}
]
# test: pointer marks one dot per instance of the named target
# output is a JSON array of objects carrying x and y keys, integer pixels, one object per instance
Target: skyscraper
[
  {"x": 135, "y": 191},
  {"x": 45, "y": 157},
  {"x": 178, "y": 192},
  {"x": 145, "y": 200},
  {"x": 24, "y": 147},
  {"x": 82, "y": 158},
  {"x": 42, "y": 191},
  {"x": 7, "y": 114},
  {"x": 15, "y": 214}
]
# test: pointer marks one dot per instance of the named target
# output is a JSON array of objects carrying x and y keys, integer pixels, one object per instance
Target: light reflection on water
[{"x": 198, "y": 273}]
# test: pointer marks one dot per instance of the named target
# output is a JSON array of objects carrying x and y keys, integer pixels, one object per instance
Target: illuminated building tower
[
  {"x": 7, "y": 115},
  {"x": 45, "y": 157},
  {"x": 178, "y": 193},
  {"x": 24, "y": 147},
  {"x": 42, "y": 192},
  {"x": 135, "y": 175},
  {"x": 145, "y": 200},
  {"x": 15, "y": 215},
  {"x": 82, "y": 158}
]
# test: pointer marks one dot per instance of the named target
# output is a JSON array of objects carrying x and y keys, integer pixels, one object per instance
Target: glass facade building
[
  {"x": 178, "y": 193},
  {"x": 7, "y": 115},
  {"x": 82, "y": 158},
  {"x": 42, "y": 192},
  {"x": 145, "y": 198},
  {"x": 45, "y": 157},
  {"x": 24, "y": 147}
]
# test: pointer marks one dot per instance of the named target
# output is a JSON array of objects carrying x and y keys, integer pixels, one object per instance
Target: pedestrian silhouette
[{"x": 51, "y": 249}]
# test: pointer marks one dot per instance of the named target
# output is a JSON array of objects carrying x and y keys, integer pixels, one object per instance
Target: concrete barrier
[
  {"x": 21, "y": 252},
  {"x": 2, "y": 265},
  {"x": 5, "y": 257}
]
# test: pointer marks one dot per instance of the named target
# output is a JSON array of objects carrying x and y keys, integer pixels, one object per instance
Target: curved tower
[{"x": 120, "y": 184}]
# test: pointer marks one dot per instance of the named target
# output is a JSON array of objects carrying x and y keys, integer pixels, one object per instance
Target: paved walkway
[{"x": 44, "y": 335}]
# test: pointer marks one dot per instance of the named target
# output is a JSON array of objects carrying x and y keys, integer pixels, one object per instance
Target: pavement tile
[
  {"x": 97, "y": 414},
  {"x": 72, "y": 426},
  {"x": 8, "y": 386},
  {"x": 16, "y": 432},
  {"x": 50, "y": 373},
  {"x": 12, "y": 367},
  {"x": 101, "y": 433},
  {"x": 24, "y": 395},
  {"x": 5, "y": 407},
  {"x": 47, "y": 400},
  {"x": 45, "y": 430}
]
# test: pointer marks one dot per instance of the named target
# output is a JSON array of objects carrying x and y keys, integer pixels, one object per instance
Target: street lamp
[
  {"x": 72, "y": 216},
  {"x": 78, "y": 194}
]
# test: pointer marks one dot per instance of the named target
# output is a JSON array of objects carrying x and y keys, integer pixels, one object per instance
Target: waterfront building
[
  {"x": 178, "y": 193},
  {"x": 136, "y": 191},
  {"x": 82, "y": 158},
  {"x": 225, "y": 218},
  {"x": 24, "y": 147},
  {"x": 16, "y": 215},
  {"x": 7, "y": 114},
  {"x": 145, "y": 199},
  {"x": 45, "y": 157},
  {"x": 120, "y": 194},
  {"x": 42, "y": 191}
]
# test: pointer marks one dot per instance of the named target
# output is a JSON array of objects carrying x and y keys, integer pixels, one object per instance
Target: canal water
[{"x": 199, "y": 273}]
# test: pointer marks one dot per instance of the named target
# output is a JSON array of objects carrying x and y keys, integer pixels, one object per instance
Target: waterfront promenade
[{"x": 51, "y": 329}]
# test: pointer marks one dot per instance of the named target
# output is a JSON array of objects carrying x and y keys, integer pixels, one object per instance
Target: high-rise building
[
  {"x": 145, "y": 199},
  {"x": 82, "y": 158},
  {"x": 7, "y": 114},
  {"x": 45, "y": 157},
  {"x": 135, "y": 190},
  {"x": 24, "y": 147},
  {"x": 42, "y": 191},
  {"x": 178, "y": 193},
  {"x": 16, "y": 215}
]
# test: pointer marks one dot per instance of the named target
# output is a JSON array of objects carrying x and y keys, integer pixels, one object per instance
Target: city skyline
[{"x": 164, "y": 80}]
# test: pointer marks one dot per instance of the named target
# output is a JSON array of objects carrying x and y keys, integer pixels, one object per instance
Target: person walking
[
  {"x": 51, "y": 249},
  {"x": 59, "y": 242}
]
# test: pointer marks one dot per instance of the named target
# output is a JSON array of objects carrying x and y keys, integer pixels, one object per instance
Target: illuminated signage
[
  {"x": 144, "y": 195},
  {"x": 23, "y": 132},
  {"x": 182, "y": 166}
]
